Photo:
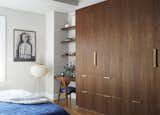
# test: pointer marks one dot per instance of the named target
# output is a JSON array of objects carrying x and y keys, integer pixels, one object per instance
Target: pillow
[
  {"x": 30, "y": 100},
  {"x": 21, "y": 97}
]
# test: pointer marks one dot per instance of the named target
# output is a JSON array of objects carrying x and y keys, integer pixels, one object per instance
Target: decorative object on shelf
[
  {"x": 69, "y": 70},
  {"x": 39, "y": 70},
  {"x": 68, "y": 40},
  {"x": 66, "y": 25},
  {"x": 74, "y": 74},
  {"x": 24, "y": 45},
  {"x": 69, "y": 54},
  {"x": 62, "y": 73},
  {"x": 68, "y": 28}
]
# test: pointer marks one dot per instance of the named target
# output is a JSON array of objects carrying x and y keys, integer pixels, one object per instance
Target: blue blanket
[{"x": 36, "y": 109}]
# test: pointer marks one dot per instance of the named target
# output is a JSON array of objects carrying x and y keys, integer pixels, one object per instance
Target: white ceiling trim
[{"x": 37, "y": 6}]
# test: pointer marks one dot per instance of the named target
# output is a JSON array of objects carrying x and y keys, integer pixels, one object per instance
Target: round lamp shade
[{"x": 39, "y": 70}]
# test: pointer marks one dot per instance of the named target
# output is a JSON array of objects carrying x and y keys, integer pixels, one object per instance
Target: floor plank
[{"x": 73, "y": 109}]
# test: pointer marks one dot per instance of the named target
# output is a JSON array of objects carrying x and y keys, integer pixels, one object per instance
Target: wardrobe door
[
  {"x": 84, "y": 56},
  {"x": 112, "y": 53},
  {"x": 156, "y": 83},
  {"x": 156, "y": 89},
  {"x": 137, "y": 72},
  {"x": 108, "y": 82},
  {"x": 87, "y": 19},
  {"x": 100, "y": 41},
  {"x": 84, "y": 41}
]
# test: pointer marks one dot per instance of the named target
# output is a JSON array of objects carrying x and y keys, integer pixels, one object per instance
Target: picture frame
[{"x": 24, "y": 45}]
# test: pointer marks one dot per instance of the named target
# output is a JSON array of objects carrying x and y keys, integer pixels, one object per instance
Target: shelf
[
  {"x": 68, "y": 28},
  {"x": 68, "y": 40},
  {"x": 67, "y": 55}
]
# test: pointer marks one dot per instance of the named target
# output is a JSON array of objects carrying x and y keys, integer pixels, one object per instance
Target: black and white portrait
[{"x": 24, "y": 45}]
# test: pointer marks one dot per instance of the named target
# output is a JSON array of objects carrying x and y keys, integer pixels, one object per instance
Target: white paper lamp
[{"x": 39, "y": 70}]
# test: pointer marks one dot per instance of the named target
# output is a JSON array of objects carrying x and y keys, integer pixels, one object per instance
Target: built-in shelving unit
[
  {"x": 68, "y": 40},
  {"x": 64, "y": 47},
  {"x": 68, "y": 28}
]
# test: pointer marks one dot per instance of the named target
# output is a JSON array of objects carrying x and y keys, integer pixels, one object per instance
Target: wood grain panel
[
  {"x": 108, "y": 105},
  {"x": 156, "y": 88},
  {"x": 123, "y": 33},
  {"x": 90, "y": 30},
  {"x": 134, "y": 107},
  {"x": 85, "y": 101},
  {"x": 86, "y": 84},
  {"x": 157, "y": 14},
  {"x": 112, "y": 53},
  {"x": 108, "y": 86},
  {"x": 138, "y": 34},
  {"x": 84, "y": 43}
]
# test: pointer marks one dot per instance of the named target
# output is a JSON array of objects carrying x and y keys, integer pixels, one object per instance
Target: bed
[
  {"x": 16, "y": 105},
  {"x": 34, "y": 109}
]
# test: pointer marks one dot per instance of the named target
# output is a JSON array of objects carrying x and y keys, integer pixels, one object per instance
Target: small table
[
  {"x": 64, "y": 79},
  {"x": 64, "y": 82},
  {"x": 57, "y": 77}
]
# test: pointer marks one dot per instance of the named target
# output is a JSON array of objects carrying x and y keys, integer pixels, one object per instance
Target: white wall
[
  {"x": 18, "y": 73},
  {"x": 72, "y": 34},
  {"x": 49, "y": 55},
  {"x": 60, "y": 19},
  {"x": 3, "y": 48}
]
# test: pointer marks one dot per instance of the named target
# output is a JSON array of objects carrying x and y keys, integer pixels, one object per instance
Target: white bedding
[{"x": 21, "y": 97}]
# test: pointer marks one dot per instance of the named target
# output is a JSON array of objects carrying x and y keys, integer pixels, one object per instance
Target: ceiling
[
  {"x": 44, "y": 6},
  {"x": 37, "y": 6},
  {"x": 72, "y": 2}
]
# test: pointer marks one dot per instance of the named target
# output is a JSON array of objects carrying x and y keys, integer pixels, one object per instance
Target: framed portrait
[{"x": 24, "y": 45}]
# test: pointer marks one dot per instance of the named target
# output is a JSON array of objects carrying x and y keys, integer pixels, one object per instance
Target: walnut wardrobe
[{"x": 117, "y": 65}]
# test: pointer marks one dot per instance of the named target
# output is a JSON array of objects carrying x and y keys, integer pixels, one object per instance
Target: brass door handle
[
  {"x": 107, "y": 96},
  {"x": 84, "y": 76},
  {"x": 84, "y": 92},
  {"x": 107, "y": 77},
  {"x": 136, "y": 102},
  {"x": 95, "y": 58},
  {"x": 155, "y": 55}
]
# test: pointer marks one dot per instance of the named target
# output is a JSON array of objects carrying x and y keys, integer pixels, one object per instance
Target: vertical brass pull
[
  {"x": 155, "y": 64},
  {"x": 95, "y": 58}
]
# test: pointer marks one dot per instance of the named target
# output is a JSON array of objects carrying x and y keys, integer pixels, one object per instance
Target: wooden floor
[{"x": 73, "y": 109}]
